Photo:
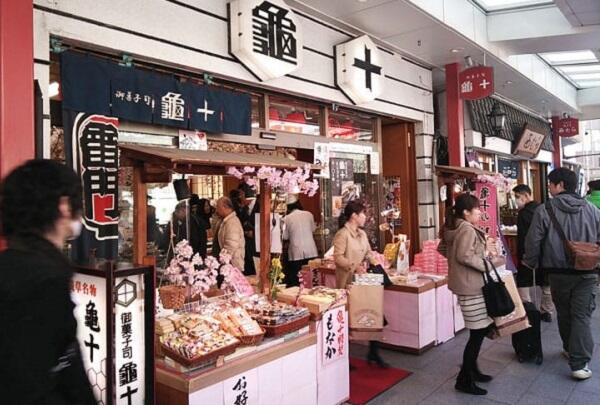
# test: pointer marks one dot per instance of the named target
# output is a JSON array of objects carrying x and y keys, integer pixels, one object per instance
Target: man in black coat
[
  {"x": 40, "y": 358},
  {"x": 527, "y": 206}
]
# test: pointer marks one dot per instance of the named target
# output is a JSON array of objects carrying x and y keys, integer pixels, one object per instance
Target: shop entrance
[{"x": 400, "y": 178}]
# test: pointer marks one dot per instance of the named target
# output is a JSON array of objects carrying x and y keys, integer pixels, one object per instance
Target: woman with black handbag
[{"x": 465, "y": 247}]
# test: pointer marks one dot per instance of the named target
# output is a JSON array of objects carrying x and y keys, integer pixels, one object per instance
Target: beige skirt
[{"x": 474, "y": 311}]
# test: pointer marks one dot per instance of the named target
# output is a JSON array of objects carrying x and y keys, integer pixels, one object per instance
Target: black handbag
[
  {"x": 497, "y": 298},
  {"x": 378, "y": 269}
]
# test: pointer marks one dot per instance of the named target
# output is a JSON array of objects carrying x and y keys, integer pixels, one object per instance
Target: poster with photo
[
  {"x": 340, "y": 170},
  {"x": 350, "y": 192},
  {"x": 337, "y": 206},
  {"x": 193, "y": 140}
]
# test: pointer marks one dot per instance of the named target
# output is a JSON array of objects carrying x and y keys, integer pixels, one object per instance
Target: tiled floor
[{"x": 434, "y": 373}]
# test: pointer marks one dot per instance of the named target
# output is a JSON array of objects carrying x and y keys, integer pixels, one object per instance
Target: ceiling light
[
  {"x": 571, "y": 58},
  {"x": 457, "y": 50},
  {"x": 53, "y": 89},
  {"x": 585, "y": 84},
  {"x": 491, "y": 5},
  {"x": 508, "y": 82},
  {"x": 580, "y": 68},
  {"x": 585, "y": 76}
]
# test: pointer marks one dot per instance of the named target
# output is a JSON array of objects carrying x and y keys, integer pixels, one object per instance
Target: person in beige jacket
[
  {"x": 230, "y": 233},
  {"x": 351, "y": 253},
  {"x": 465, "y": 247}
]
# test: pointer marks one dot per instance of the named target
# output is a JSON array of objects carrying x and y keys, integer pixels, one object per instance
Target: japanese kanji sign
[
  {"x": 530, "y": 143},
  {"x": 359, "y": 71},
  {"x": 488, "y": 204},
  {"x": 566, "y": 127},
  {"x": 95, "y": 157},
  {"x": 89, "y": 295},
  {"x": 334, "y": 335},
  {"x": 241, "y": 389},
  {"x": 476, "y": 82},
  {"x": 266, "y": 37},
  {"x": 129, "y": 341}
]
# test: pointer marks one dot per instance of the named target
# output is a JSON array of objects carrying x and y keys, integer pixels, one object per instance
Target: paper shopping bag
[{"x": 365, "y": 305}]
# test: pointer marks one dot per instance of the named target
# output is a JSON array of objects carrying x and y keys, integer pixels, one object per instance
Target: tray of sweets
[
  {"x": 199, "y": 360},
  {"x": 288, "y": 327}
]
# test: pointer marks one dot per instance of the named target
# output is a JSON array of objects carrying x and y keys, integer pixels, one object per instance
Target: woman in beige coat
[
  {"x": 351, "y": 253},
  {"x": 465, "y": 247}
]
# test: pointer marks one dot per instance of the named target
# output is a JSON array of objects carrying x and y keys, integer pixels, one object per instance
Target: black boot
[
  {"x": 478, "y": 376},
  {"x": 465, "y": 383},
  {"x": 374, "y": 357}
]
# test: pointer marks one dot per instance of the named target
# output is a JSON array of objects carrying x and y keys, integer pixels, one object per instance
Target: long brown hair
[{"x": 465, "y": 201}]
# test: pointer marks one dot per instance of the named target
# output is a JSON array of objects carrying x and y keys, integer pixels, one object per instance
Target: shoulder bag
[
  {"x": 582, "y": 256},
  {"x": 497, "y": 298}
]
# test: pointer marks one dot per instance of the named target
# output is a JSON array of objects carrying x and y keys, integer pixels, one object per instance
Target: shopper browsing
[
  {"x": 40, "y": 358},
  {"x": 573, "y": 291},
  {"x": 299, "y": 226},
  {"x": 527, "y": 207},
  {"x": 230, "y": 234},
  {"x": 465, "y": 247}
]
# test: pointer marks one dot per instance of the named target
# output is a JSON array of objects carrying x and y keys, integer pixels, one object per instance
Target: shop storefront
[{"x": 186, "y": 106}]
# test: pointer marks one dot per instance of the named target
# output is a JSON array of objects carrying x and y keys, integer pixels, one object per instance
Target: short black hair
[
  {"x": 594, "y": 185},
  {"x": 566, "y": 176},
  {"x": 30, "y": 195},
  {"x": 522, "y": 189}
]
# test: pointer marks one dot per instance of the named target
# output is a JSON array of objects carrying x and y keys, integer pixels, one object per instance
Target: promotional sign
[
  {"x": 476, "y": 82},
  {"x": 359, "y": 71},
  {"x": 89, "y": 295},
  {"x": 508, "y": 168},
  {"x": 130, "y": 365},
  {"x": 266, "y": 37},
  {"x": 488, "y": 203},
  {"x": 321, "y": 158},
  {"x": 193, "y": 140},
  {"x": 567, "y": 127},
  {"x": 335, "y": 323},
  {"x": 530, "y": 143}
]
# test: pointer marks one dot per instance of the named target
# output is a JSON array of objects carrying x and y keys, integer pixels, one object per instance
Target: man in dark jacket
[
  {"x": 40, "y": 358},
  {"x": 527, "y": 206},
  {"x": 573, "y": 292}
]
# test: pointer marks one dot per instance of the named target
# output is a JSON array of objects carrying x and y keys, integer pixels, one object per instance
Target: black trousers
[{"x": 291, "y": 271}]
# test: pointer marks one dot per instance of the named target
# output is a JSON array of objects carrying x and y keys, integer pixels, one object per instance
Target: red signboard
[
  {"x": 567, "y": 127},
  {"x": 488, "y": 203},
  {"x": 476, "y": 82}
]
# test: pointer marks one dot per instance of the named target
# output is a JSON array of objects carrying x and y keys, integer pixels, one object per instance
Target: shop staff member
[
  {"x": 230, "y": 232},
  {"x": 40, "y": 358},
  {"x": 299, "y": 226},
  {"x": 527, "y": 207},
  {"x": 351, "y": 251},
  {"x": 573, "y": 291}
]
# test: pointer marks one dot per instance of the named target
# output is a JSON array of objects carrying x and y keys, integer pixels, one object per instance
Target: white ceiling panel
[{"x": 345, "y": 7}]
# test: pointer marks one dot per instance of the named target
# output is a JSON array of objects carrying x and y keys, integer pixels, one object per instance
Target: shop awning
[
  {"x": 455, "y": 172},
  {"x": 201, "y": 162},
  {"x": 516, "y": 119}
]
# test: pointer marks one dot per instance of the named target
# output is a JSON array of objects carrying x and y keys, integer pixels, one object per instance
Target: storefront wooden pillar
[
  {"x": 265, "y": 235},
  {"x": 454, "y": 116},
  {"x": 557, "y": 154},
  {"x": 140, "y": 217}
]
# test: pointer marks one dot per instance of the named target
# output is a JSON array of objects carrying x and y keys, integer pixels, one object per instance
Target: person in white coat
[{"x": 299, "y": 226}]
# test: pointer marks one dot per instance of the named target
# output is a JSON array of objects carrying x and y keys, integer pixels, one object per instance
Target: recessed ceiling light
[
  {"x": 585, "y": 76},
  {"x": 508, "y": 82},
  {"x": 580, "y": 69},
  {"x": 362, "y": 1},
  {"x": 457, "y": 50},
  {"x": 569, "y": 58}
]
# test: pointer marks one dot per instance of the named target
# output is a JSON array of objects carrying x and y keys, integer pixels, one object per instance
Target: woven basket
[
  {"x": 172, "y": 296},
  {"x": 251, "y": 340},
  {"x": 200, "y": 360},
  {"x": 284, "y": 329}
]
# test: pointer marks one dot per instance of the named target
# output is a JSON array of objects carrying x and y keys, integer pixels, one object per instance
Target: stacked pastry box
[
  {"x": 225, "y": 329},
  {"x": 430, "y": 260},
  {"x": 316, "y": 300}
]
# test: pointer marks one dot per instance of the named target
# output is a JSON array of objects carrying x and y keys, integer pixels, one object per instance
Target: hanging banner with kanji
[
  {"x": 476, "y": 82},
  {"x": 334, "y": 335},
  {"x": 91, "y": 147},
  {"x": 130, "y": 365},
  {"x": 488, "y": 204},
  {"x": 566, "y": 127},
  {"x": 89, "y": 295}
]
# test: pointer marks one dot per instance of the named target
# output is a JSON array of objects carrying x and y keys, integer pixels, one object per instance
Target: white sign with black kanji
[
  {"x": 359, "y": 70},
  {"x": 266, "y": 37}
]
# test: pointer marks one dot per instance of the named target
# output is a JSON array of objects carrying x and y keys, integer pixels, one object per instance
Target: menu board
[{"x": 508, "y": 168}]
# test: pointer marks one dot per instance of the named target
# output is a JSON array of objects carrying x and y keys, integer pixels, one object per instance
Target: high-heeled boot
[
  {"x": 478, "y": 376},
  {"x": 374, "y": 357},
  {"x": 465, "y": 383}
]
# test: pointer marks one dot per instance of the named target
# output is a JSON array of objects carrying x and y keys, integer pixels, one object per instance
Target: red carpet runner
[{"x": 366, "y": 382}]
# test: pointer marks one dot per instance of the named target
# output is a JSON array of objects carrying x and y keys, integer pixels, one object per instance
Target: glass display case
[{"x": 350, "y": 126}]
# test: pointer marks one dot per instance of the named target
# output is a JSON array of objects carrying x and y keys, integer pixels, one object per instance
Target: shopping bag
[
  {"x": 498, "y": 300},
  {"x": 517, "y": 320},
  {"x": 365, "y": 307}
]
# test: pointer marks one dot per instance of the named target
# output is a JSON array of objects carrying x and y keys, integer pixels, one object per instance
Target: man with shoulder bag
[{"x": 563, "y": 241}]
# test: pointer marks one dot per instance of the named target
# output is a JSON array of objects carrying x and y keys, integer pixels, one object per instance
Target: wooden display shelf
[{"x": 196, "y": 381}]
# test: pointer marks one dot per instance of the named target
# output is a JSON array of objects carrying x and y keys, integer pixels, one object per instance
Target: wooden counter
[{"x": 198, "y": 380}]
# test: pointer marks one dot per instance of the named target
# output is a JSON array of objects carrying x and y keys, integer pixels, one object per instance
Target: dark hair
[
  {"x": 522, "y": 189},
  {"x": 594, "y": 185},
  {"x": 464, "y": 202},
  {"x": 294, "y": 206},
  {"x": 30, "y": 195},
  {"x": 353, "y": 207},
  {"x": 566, "y": 176},
  {"x": 247, "y": 189}
]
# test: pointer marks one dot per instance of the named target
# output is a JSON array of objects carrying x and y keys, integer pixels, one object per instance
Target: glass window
[
  {"x": 350, "y": 126},
  {"x": 294, "y": 116},
  {"x": 255, "y": 114}
]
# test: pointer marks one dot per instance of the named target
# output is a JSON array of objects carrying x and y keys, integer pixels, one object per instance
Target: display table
[
  {"x": 282, "y": 374},
  {"x": 444, "y": 306}
]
